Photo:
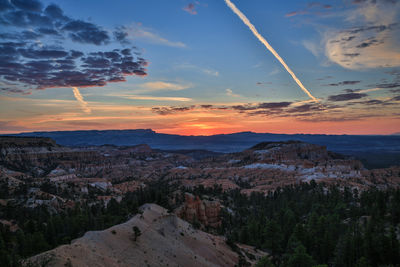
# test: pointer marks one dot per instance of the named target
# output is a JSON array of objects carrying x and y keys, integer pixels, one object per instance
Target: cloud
[
  {"x": 263, "y": 83},
  {"x": 85, "y": 32},
  {"x": 32, "y": 55},
  {"x": 121, "y": 35},
  {"x": 396, "y": 98},
  {"x": 28, "y": 5},
  {"x": 164, "y": 86},
  {"x": 343, "y": 83},
  {"x": 207, "y": 71},
  {"x": 346, "y": 97},
  {"x": 191, "y": 9},
  {"x": 82, "y": 102},
  {"x": 388, "y": 85},
  {"x": 50, "y": 21},
  {"x": 229, "y": 92},
  {"x": 11, "y": 126},
  {"x": 44, "y": 67},
  {"x": 313, "y": 47},
  {"x": 138, "y": 31},
  {"x": 274, "y": 105},
  {"x": 171, "y": 110},
  {"x": 299, "y": 111},
  {"x": 373, "y": 40},
  {"x": 311, "y": 8},
  {"x": 155, "y": 98}
]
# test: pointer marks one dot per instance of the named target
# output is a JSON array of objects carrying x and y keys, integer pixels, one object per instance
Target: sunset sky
[{"x": 194, "y": 67}]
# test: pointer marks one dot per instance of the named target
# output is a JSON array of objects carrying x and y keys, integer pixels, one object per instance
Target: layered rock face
[
  {"x": 34, "y": 153},
  {"x": 205, "y": 212},
  {"x": 290, "y": 150}
]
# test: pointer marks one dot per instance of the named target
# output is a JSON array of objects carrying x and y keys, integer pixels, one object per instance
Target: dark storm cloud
[
  {"x": 346, "y": 97},
  {"x": 29, "y": 64}
]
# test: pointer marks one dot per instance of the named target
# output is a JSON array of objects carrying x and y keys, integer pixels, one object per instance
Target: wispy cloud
[
  {"x": 138, "y": 31},
  {"x": 205, "y": 70},
  {"x": 373, "y": 40},
  {"x": 155, "y": 98},
  {"x": 165, "y": 86},
  {"x": 313, "y": 47},
  {"x": 346, "y": 97},
  {"x": 229, "y": 92},
  {"x": 190, "y": 8},
  {"x": 82, "y": 102},
  {"x": 311, "y": 8}
]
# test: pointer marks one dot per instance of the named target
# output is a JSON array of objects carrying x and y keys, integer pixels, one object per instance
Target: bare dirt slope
[{"x": 165, "y": 240}]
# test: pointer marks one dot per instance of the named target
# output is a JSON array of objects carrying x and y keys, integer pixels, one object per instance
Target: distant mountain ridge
[{"x": 373, "y": 150}]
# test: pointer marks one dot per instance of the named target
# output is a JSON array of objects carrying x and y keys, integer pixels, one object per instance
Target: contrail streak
[
  {"x": 82, "y": 102},
  {"x": 268, "y": 46}
]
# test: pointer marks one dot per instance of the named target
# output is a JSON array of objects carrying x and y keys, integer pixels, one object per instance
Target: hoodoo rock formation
[{"x": 206, "y": 212}]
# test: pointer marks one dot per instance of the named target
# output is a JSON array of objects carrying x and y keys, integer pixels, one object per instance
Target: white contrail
[
  {"x": 82, "y": 102},
  {"x": 268, "y": 46}
]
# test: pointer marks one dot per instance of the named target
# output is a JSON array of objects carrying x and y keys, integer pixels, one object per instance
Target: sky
[{"x": 200, "y": 67}]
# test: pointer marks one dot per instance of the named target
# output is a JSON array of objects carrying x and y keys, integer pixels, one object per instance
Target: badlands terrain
[
  {"x": 165, "y": 240},
  {"x": 55, "y": 194}
]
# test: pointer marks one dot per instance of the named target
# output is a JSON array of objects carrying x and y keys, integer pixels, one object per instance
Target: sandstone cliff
[{"x": 205, "y": 212}]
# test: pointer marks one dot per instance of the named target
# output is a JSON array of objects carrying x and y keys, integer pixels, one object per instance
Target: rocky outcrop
[
  {"x": 165, "y": 240},
  {"x": 206, "y": 212}
]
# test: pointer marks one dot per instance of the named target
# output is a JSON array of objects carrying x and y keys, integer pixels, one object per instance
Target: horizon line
[{"x": 229, "y": 133}]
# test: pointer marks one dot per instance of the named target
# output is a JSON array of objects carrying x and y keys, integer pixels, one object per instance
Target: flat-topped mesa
[{"x": 291, "y": 150}]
